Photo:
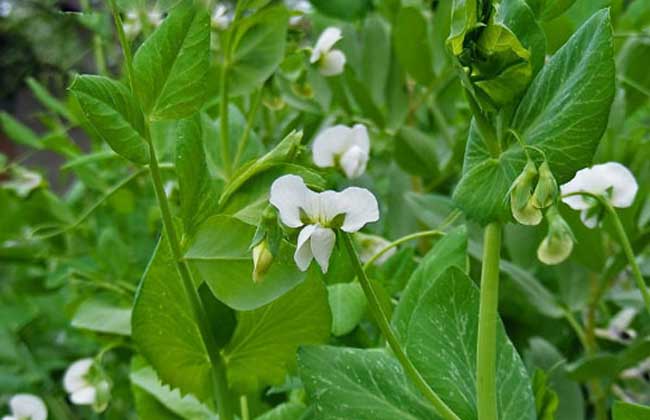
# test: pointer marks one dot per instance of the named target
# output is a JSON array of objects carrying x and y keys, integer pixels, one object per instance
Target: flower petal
[
  {"x": 75, "y": 376},
  {"x": 600, "y": 179},
  {"x": 354, "y": 161},
  {"x": 303, "y": 254},
  {"x": 590, "y": 220},
  {"x": 329, "y": 143},
  {"x": 289, "y": 194},
  {"x": 621, "y": 181},
  {"x": 332, "y": 63},
  {"x": 28, "y": 406},
  {"x": 84, "y": 396},
  {"x": 360, "y": 207},
  {"x": 360, "y": 137},
  {"x": 326, "y": 41},
  {"x": 622, "y": 320},
  {"x": 322, "y": 243}
]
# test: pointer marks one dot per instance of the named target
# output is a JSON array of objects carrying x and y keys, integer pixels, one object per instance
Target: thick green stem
[
  {"x": 220, "y": 384},
  {"x": 487, "y": 325},
  {"x": 382, "y": 321}
]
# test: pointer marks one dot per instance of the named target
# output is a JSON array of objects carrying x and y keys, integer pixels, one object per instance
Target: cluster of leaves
[{"x": 215, "y": 115}]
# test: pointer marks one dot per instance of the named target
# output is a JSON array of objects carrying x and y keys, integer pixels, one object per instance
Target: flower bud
[
  {"x": 558, "y": 243},
  {"x": 546, "y": 189},
  {"x": 262, "y": 260},
  {"x": 521, "y": 200}
]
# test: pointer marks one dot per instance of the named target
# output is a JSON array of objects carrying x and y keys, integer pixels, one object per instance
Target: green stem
[
  {"x": 100, "y": 61},
  {"x": 223, "y": 117},
  {"x": 577, "y": 328},
  {"x": 398, "y": 242},
  {"x": 487, "y": 324},
  {"x": 243, "y": 141},
  {"x": 220, "y": 383},
  {"x": 625, "y": 244},
  {"x": 384, "y": 326},
  {"x": 124, "y": 43},
  {"x": 243, "y": 408}
]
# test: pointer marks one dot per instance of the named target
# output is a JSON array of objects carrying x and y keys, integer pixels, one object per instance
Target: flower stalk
[
  {"x": 382, "y": 321},
  {"x": 487, "y": 324}
]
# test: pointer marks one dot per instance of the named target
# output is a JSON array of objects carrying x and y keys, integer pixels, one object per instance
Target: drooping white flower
[
  {"x": 155, "y": 17},
  {"x": 220, "y": 17},
  {"x": 618, "y": 328},
  {"x": 370, "y": 245},
  {"x": 640, "y": 371},
  {"x": 343, "y": 146},
  {"x": 26, "y": 407},
  {"x": 611, "y": 180},
  {"x": 330, "y": 61},
  {"x": 132, "y": 25},
  {"x": 303, "y": 7},
  {"x": 319, "y": 215},
  {"x": 22, "y": 181},
  {"x": 82, "y": 388}
]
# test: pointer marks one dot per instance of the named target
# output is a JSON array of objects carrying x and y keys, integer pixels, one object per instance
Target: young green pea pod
[
  {"x": 558, "y": 243},
  {"x": 546, "y": 190},
  {"x": 521, "y": 199}
]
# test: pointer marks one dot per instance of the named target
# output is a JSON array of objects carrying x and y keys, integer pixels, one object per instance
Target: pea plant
[{"x": 362, "y": 209}]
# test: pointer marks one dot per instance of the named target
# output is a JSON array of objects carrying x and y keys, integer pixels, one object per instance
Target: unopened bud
[
  {"x": 262, "y": 260},
  {"x": 521, "y": 200},
  {"x": 558, "y": 243},
  {"x": 546, "y": 189}
]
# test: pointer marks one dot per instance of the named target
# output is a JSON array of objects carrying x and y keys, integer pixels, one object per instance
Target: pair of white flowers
[{"x": 611, "y": 181}]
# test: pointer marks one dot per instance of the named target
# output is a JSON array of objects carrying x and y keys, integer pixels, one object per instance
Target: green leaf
[
  {"x": 550, "y": 9},
  {"x": 19, "y": 132},
  {"x": 268, "y": 337},
  {"x": 564, "y": 113},
  {"x": 343, "y": 9},
  {"x": 221, "y": 253},
  {"x": 413, "y": 45},
  {"x": 115, "y": 115},
  {"x": 285, "y": 151},
  {"x": 375, "y": 58},
  {"x": 464, "y": 18},
  {"x": 450, "y": 251},
  {"x": 188, "y": 407},
  {"x": 164, "y": 318},
  {"x": 348, "y": 304},
  {"x": 345, "y": 383},
  {"x": 543, "y": 355},
  {"x": 103, "y": 315},
  {"x": 257, "y": 49},
  {"x": 285, "y": 411},
  {"x": 415, "y": 152},
  {"x": 171, "y": 66},
  {"x": 630, "y": 411},
  {"x": 446, "y": 319},
  {"x": 197, "y": 189},
  {"x": 49, "y": 101}
]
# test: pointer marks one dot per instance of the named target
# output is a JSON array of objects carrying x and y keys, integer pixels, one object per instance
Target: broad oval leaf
[
  {"x": 564, "y": 113},
  {"x": 257, "y": 49},
  {"x": 441, "y": 343},
  {"x": 345, "y": 383},
  {"x": 114, "y": 114},
  {"x": 348, "y": 305},
  {"x": 413, "y": 46},
  {"x": 165, "y": 328},
  {"x": 171, "y": 66},
  {"x": 221, "y": 253},
  {"x": 269, "y": 336}
]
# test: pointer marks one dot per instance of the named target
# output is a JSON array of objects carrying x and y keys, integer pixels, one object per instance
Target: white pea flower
[
  {"x": 26, "y": 407},
  {"x": 640, "y": 371},
  {"x": 370, "y": 245},
  {"x": 132, "y": 25},
  {"x": 154, "y": 17},
  {"x": 343, "y": 146},
  {"x": 319, "y": 215},
  {"x": 84, "y": 387},
  {"x": 330, "y": 61},
  {"x": 220, "y": 17},
  {"x": 23, "y": 181},
  {"x": 611, "y": 180},
  {"x": 618, "y": 328}
]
